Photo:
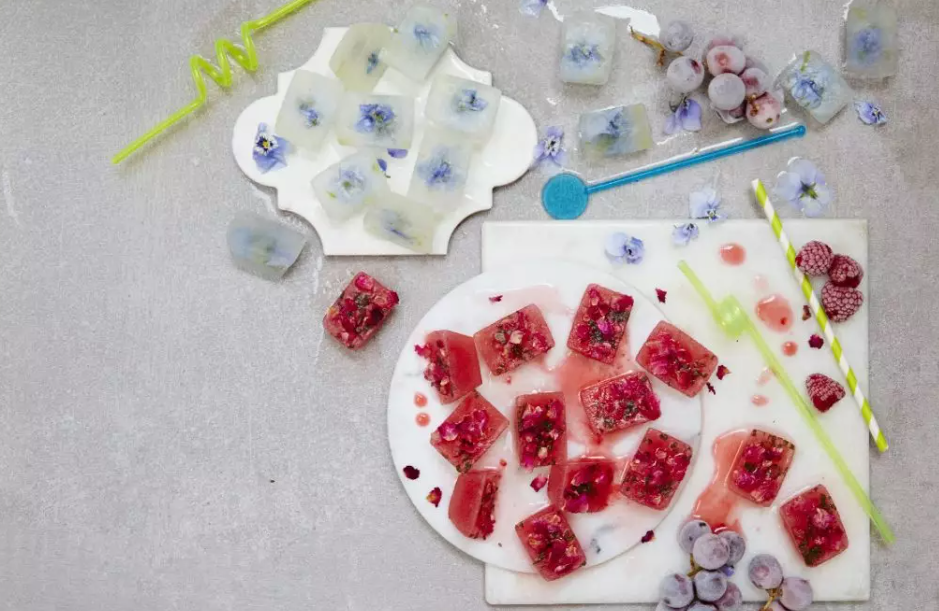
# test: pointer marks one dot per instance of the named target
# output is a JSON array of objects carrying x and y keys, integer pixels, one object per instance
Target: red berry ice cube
[
  {"x": 360, "y": 311},
  {"x": 674, "y": 357},
  {"x": 581, "y": 486},
  {"x": 519, "y": 337},
  {"x": 760, "y": 467},
  {"x": 453, "y": 367},
  {"x": 655, "y": 471},
  {"x": 473, "y": 502},
  {"x": 620, "y": 403},
  {"x": 600, "y": 323},
  {"x": 550, "y": 543},
  {"x": 814, "y": 525},
  {"x": 541, "y": 427},
  {"x": 469, "y": 431}
]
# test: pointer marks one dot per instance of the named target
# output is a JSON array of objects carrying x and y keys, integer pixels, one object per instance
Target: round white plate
[{"x": 556, "y": 287}]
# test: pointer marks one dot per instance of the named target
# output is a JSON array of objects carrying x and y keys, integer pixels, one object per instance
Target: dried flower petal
[
  {"x": 434, "y": 497},
  {"x": 411, "y": 472},
  {"x": 710, "y": 388},
  {"x": 538, "y": 483},
  {"x": 815, "y": 341},
  {"x": 495, "y": 299},
  {"x": 649, "y": 536},
  {"x": 806, "y": 312},
  {"x": 661, "y": 295},
  {"x": 722, "y": 371}
]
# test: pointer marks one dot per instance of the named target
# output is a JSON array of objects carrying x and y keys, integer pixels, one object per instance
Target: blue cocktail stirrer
[{"x": 565, "y": 196}]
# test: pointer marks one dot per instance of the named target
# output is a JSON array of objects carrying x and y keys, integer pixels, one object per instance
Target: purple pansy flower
[
  {"x": 438, "y": 173},
  {"x": 867, "y": 46},
  {"x": 584, "y": 53},
  {"x": 621, "y": 248},
  {"x": 468, "y": 100},
  {"x": 869, "y": 113},
  {"x": 550, "y": 154},
  {"x": 269, "y": 151},
  {"x": 310, "y": 116},
  {"x": 532, "y": 8},
  {"x": 705, "y": 205},
  {"x": 804, "y": 187},
  {"x": 682, "y": 234},
  {"x": 686, "y": 115},
  {"x": 377, "y": 118}
]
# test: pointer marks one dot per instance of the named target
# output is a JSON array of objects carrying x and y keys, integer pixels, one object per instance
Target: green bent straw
[
  {"x": 731, "y": 317},
  {"x": 245, "y": 56}
]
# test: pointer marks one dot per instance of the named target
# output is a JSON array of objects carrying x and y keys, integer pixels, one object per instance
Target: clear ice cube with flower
[
  {"x": 588, "y": 42},
  {"x": 349, "y": 185},
  {"x": 419, "y": 41},
  {"x": 815, "y": 86},
  {"x": 618, "y": 130},
  {"x": 310, "y": 108},
  {"x": 871, "y": 40},
  {"x": 357, "y": 59},
  {"x": 463, "y": 106},
  {"x": 441, "y": 170},
  {"x": 377, "y": 121},
  {"x": 403, "y": 221}
]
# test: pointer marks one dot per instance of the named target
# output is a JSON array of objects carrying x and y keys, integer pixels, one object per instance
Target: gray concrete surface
[{"x": 176, "y": 434}]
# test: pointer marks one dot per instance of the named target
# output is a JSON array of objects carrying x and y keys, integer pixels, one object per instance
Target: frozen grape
[
  {"x": 797, "y": 594},
  {"x": 710, "y": 585},
  {"x": 677, "y": 36},
  {"x": 700, "y": 606},
  {"x": 765, "y": 572},
  {"x": 764, "y": 111},
  {"x": 726, "y": 91},
  {"x": 721, "y": 40},
  {"x": 663, "y": 607},
  {"x": 731, "y": 600},
  {"x": 684, "y": 74},
  {"x": 676, "y": 591},
  {"x": 710, "y": 552},
  {"x": 737, "y": 545},
  {"x": 756, "y": 81},
  {"x": 690, "y": 533},
  {"x": 726, "y": 59}
]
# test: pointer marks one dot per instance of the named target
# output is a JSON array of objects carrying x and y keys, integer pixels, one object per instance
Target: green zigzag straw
[
  {"x": 246, "y": 57},
  {"x": 730, "y": 316}
]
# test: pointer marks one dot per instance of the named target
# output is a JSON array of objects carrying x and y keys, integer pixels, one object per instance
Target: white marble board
[{"x": 634, "y": 576}]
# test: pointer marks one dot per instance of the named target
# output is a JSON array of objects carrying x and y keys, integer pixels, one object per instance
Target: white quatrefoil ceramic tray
[{"x": 503, "y": 160}]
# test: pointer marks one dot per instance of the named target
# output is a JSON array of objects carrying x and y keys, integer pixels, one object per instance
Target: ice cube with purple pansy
[
  {"x": 420, "y": 40},
  {"x": 871, "y": 40},
  {"x": 376, "y": 121},
  {"x": 441, "y": 170},
  {"x": 588, "y": 42},
  {"x": 357, "y": 59},
  {"x": 618, "y": 130},
  {"x": 463, "y": 106},
  {"x": 349, "y": 185},
  {"x": 403, "y": 221},
  {"x": 309, "y": 110},
  {"x": 815, "y": 86}
]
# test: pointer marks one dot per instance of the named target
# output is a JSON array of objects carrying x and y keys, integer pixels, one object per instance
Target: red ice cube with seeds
[
  {"x": 656, "y": 470},
  {"x": 551, "y": 544},
  {"x": 360, "y": 311},
  {"x": 581, "y": 486},
  {"x": 469, "y": 431},
  {"x": 600, "y": 323},
  {"x": 674, "y": 357},
  {"x": 473, "y": 502},
  {"x": 453, "y": 365},
  {"x": 541, "y": 429},
  {"x": 814, "y": 525},
  {"x": 760, "y": 467},
  {"x": 516, "y": 339},
  {"x": 620, "y": 403}
]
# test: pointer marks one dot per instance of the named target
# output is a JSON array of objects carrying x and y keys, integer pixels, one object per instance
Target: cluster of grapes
[
  {"x": 740, "y": 85},
  {"x": 706, "y": 587},
  {"x": 789, "y": 594}
]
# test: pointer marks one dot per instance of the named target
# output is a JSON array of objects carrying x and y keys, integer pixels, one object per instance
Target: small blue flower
[
  {"x": 310, "y": 116},
  {"x": 393, "y": 223},
  {"x": 269, "y": 151},
  {"x": 804, "y": 187},
  {"x": 468, "y": 100},
  {"x": 869, "y": 113},
  {"x": 867, "y": 46},
  {"x": 806, "y": 90},
  {"x": 683, "y": 234},
  {"x": 349, "y": 185},
  {"x": 549, "y": 152},
  {"x": 705, "y": 205},
  {"x": 426, "y": 36},
  {"x": 621, "y": 248},
  {"x": 728, "y": 571},
  {"x": 686, "y": 115},
  {"x": 375, "y": 118},
  {"x": 371, "y": 62},
  {"x": 532, "y": 8},
  {"x": 437, "y": 172},
  {"x": 398, "y": 153},
  {"x": 584, "y": 53},
  {"x": 383, "y": 165}
]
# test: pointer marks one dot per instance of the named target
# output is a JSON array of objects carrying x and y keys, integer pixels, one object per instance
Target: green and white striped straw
[{"x": 824, "y": 324}]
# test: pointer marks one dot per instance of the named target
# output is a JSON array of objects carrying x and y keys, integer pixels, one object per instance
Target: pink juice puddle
[
  {"x": 775, "y": 312},
  {"x": 759, "y": 400},
  {"x": 733, "y": 254},
  {"x": 717, "y": 504},
  {"x": 765, "y": 376},
  {"x": 790, "y": 348}
]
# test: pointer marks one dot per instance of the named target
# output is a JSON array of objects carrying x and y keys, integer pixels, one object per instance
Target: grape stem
[
  {"x": 695, "y": 569},
  {"x": 774, "y": 593},
  {"x": 651, "y": 42}
]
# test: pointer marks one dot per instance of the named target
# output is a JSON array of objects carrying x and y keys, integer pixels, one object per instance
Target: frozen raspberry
[
  {"x": 823, "y": 391},
  {"x": 845, "y": 271},
  {"x": 814, "y": 258},
  {"x": 841, "y": 302},
  {"x": 816, "y": 341}
]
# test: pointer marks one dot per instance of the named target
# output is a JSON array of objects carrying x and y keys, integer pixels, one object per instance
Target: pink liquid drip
[
  {"x": 422, "y": 419},
  {"x": 759, "y": 400},
  {"x": 420, "y": 399},
  {"x": 765, "y": 376},
  {"x": 775, "y": 312},
  {"x": 733, "y": 254},
  {"x": 717, "y": 504},
  {"x": 761, "y": 283},
  {"x": 790, "y": 348}
]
